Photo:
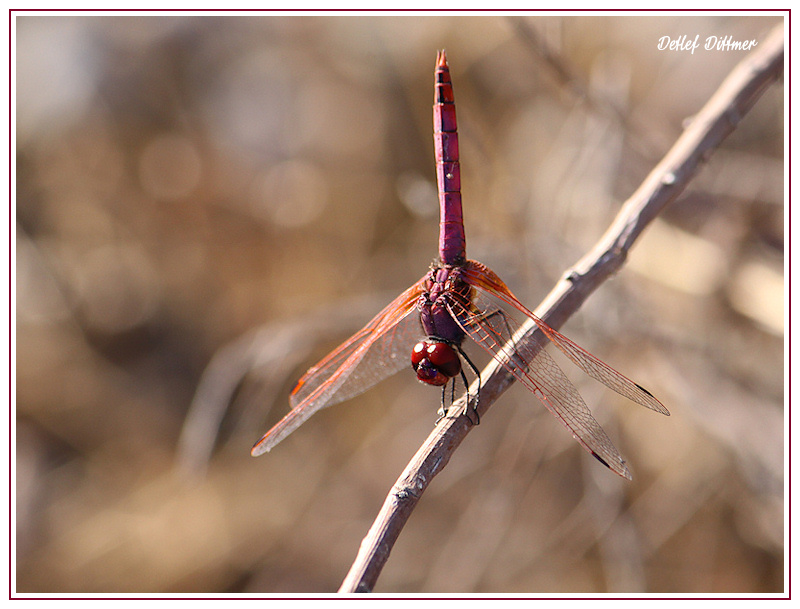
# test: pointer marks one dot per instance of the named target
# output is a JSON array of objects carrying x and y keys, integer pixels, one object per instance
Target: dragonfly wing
[
  {"x": 375, "y": 352},
  {"x": 601, "y": 371},
  {"x": 482, "y": 277},
  {"x": 491, "y": 327}
]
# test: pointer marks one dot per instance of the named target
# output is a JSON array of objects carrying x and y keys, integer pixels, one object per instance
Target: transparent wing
[
  {"x": 482, "y": 277},
  {"x": 495, "y": 316},
  {"x": 373, "y": 353}
]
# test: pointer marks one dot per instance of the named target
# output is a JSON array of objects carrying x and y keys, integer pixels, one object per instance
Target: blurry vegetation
[{"x": 264, "y": 185}]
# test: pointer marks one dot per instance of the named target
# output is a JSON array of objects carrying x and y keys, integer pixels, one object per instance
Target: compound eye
[
  {"x": 444, "y": 358},
  {"x": 435, "y": 362},
  {"x": 418, "y": 354}
]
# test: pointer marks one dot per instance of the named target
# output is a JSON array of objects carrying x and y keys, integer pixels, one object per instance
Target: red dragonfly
[{"x": 455, "y": 299}]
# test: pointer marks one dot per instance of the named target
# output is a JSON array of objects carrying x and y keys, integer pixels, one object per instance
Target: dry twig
[{"x": 718, "y": 118}]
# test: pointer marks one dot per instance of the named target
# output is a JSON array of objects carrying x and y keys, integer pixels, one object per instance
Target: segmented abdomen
[{"x": 452, "y": 243}]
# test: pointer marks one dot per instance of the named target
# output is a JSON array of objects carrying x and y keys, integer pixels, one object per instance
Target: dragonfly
[{"x": 456, "y": 299}]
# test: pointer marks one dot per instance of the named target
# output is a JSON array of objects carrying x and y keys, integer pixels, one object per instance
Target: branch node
[{"x": 405, "y": 494}]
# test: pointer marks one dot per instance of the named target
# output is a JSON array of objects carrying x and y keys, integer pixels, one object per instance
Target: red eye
[
  {"x": 418, "y": 354},
  {"x": 444, "y": 358},
  {"x": 435, "y": 362}
]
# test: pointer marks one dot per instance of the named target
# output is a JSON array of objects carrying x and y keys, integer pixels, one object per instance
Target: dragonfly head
[{"x": 435, "y": 362}]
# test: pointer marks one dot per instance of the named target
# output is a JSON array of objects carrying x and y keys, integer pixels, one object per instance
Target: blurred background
[{"x": 207, "y": 205}]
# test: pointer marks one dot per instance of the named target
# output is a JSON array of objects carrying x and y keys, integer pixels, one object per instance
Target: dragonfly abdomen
[{"x": 452, "y": 241}]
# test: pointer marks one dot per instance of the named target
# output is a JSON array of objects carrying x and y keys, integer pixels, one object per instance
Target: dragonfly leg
[
  {"x": 502, "y": 314},
  {"x": 518, "y": 359},
  {"x": 470, "y": 413},
  {"x": 485, "y": 315},
  {"x": 442, "y": 412},
  {"x": 474, "y": 409}
]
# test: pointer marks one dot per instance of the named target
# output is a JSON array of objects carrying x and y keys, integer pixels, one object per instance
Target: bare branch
[{"x": 718, "y": 118}]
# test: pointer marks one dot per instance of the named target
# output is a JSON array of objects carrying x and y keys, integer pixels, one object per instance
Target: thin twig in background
[
  {"x": 561, "y": 71},
  {"x": 718, "y": 118}
]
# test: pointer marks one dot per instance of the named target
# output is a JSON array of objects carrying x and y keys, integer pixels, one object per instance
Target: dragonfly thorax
[
  {"x": 443, "y": 288},
  {"x": 435, "y": 362}
]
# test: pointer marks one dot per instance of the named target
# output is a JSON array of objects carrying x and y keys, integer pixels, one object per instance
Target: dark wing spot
[
  {"x": 645, "y": 390},
  {"x": 599, "y": 458}
]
